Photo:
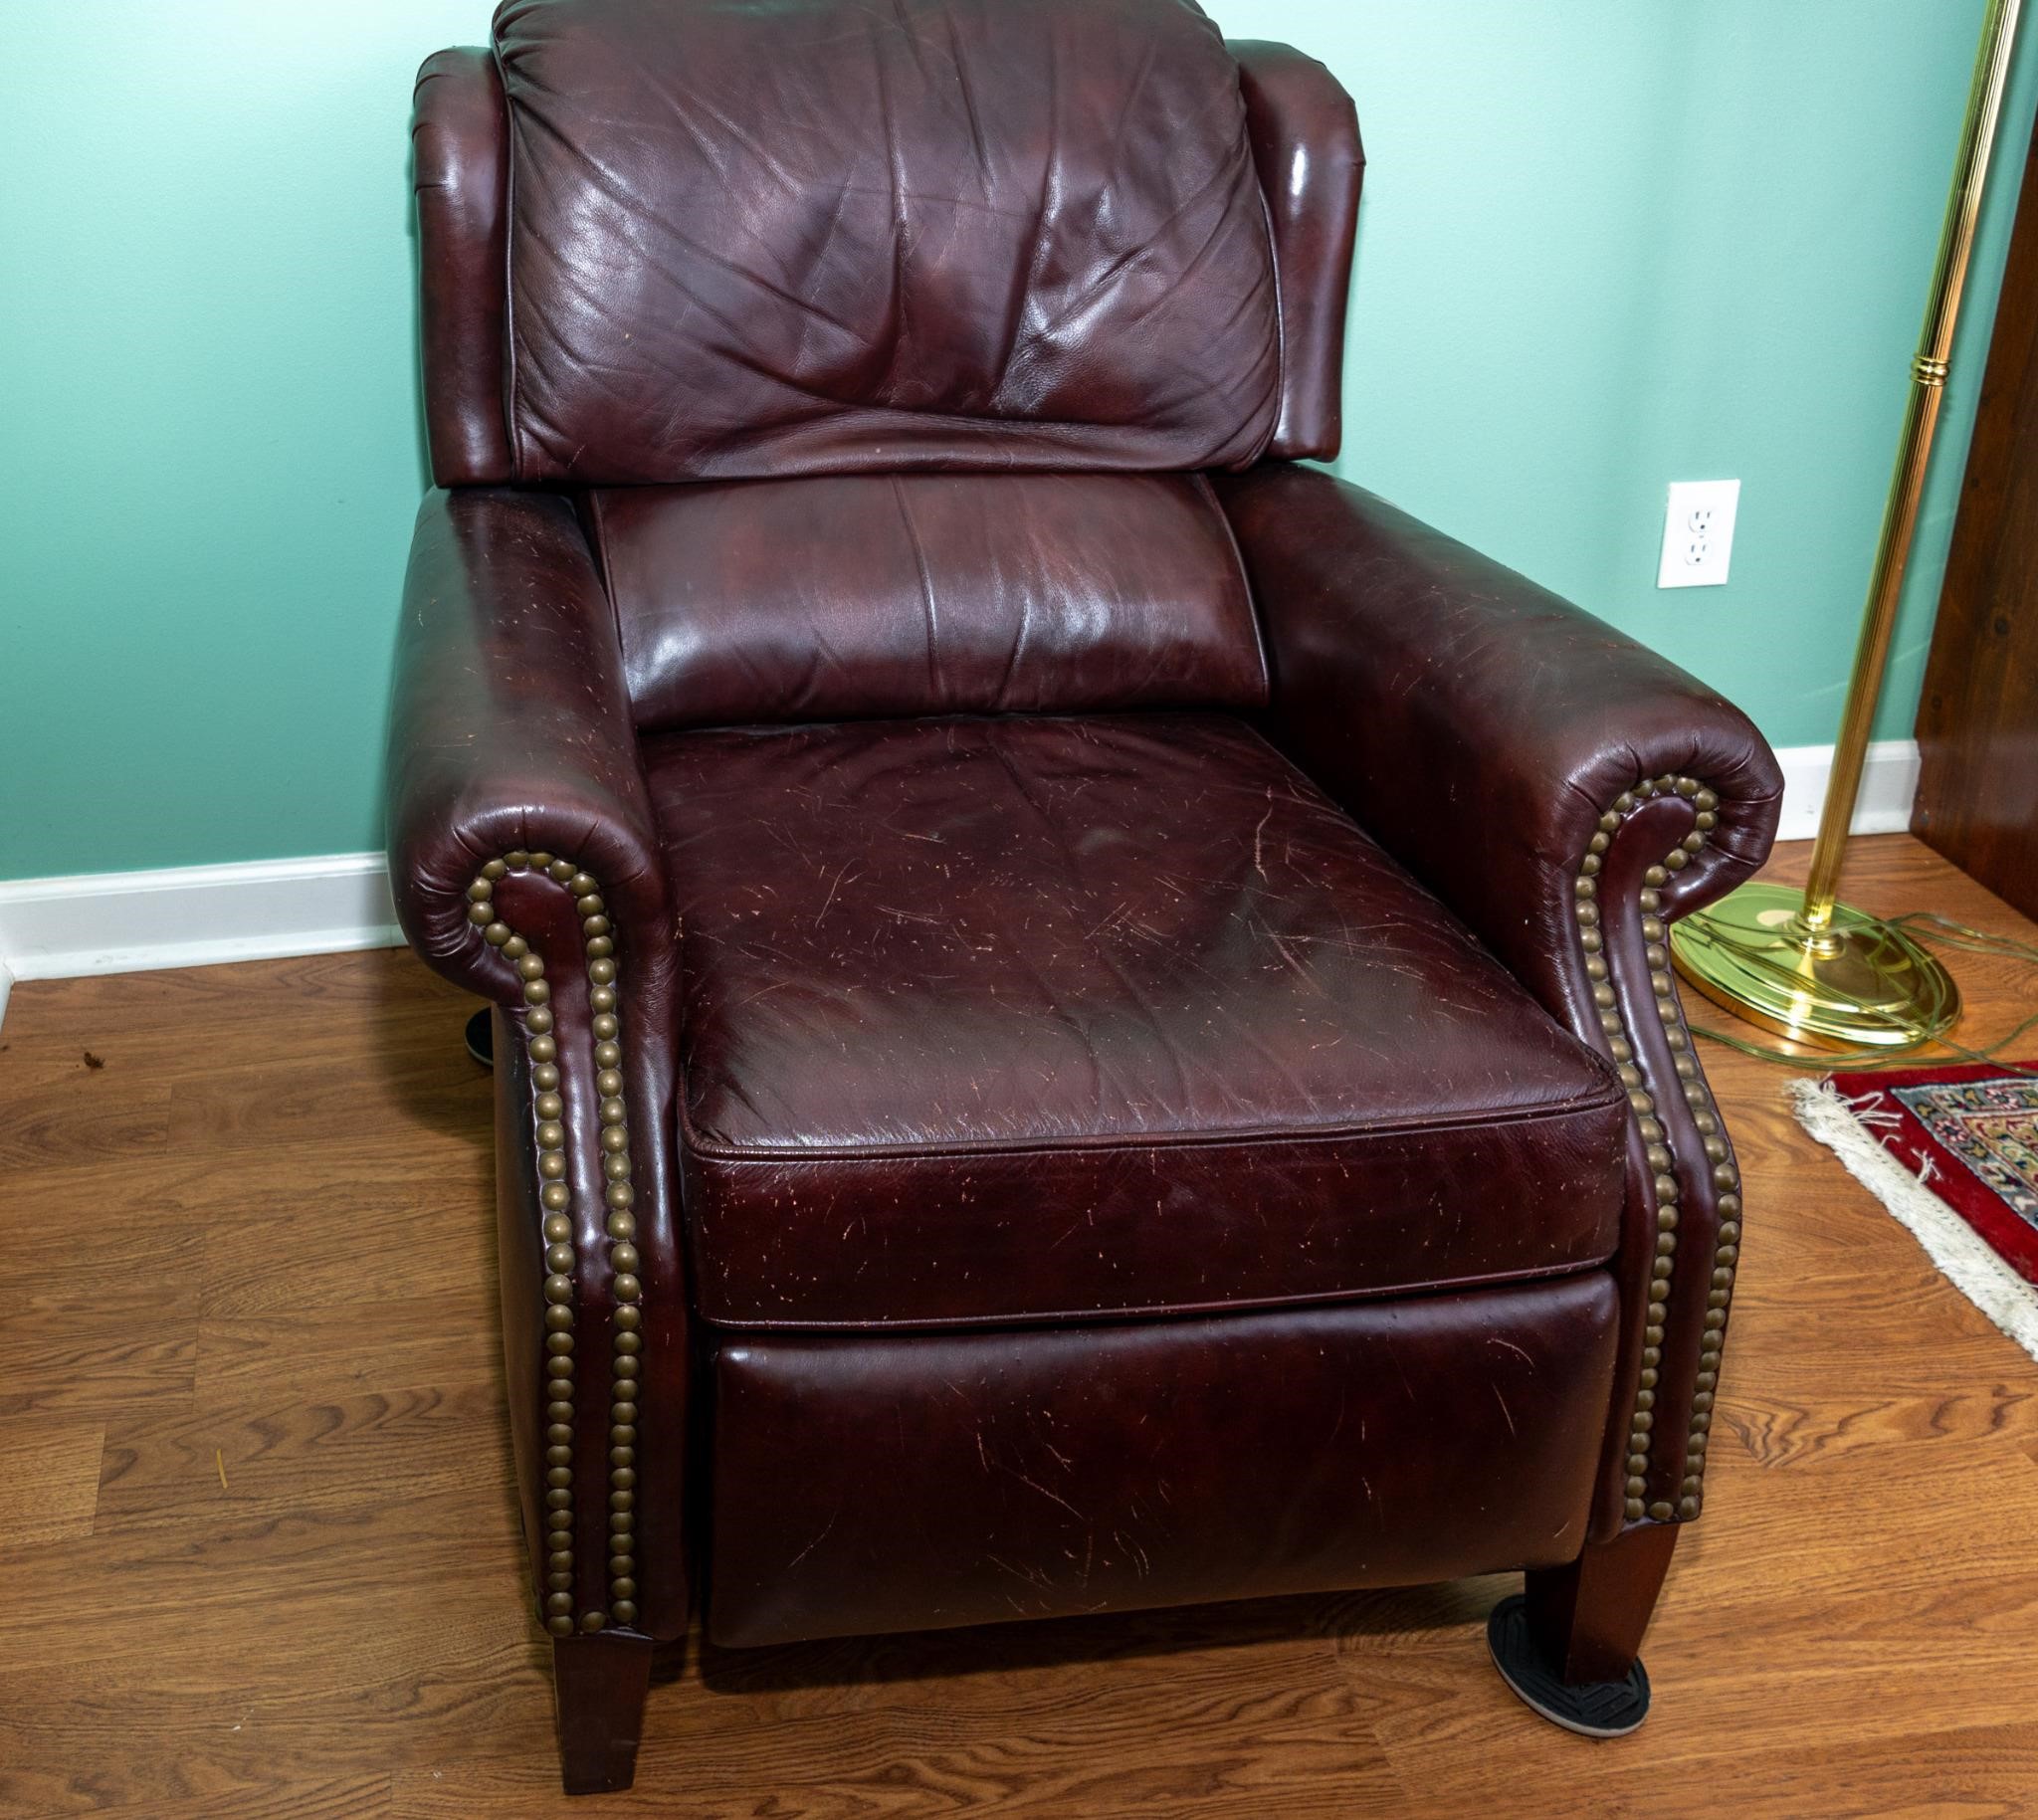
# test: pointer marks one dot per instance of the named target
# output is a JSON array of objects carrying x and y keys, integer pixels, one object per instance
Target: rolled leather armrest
[
  {"x": 1567, "y": 793},
  {"x": 510, "y": 727},
  {"x": 524, "y": 863}
]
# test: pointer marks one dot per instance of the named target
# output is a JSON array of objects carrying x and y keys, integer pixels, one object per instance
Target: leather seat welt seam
[
  {"x": 726, "y": 1326},
  {"x": 1125, "y": 1141}
]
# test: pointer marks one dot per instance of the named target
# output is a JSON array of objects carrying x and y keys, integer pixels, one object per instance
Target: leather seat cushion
[{"x": 1023, "y": 1018}]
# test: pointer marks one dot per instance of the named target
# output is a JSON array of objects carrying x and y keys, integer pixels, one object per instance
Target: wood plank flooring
[{"x": 258, "y": 1549}]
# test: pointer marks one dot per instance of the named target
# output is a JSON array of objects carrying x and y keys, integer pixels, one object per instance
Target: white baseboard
[
  {"x": 193, "y": 916},
  {"x": 1888, "y": 784},
  {"x": 262, "y": 910}
]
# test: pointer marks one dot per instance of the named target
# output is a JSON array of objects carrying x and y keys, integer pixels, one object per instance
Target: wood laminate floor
[{"x": 258, "y": 1548}]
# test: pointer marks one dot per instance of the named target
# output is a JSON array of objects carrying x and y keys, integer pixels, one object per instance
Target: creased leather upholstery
[
  {"x": 936, "y": 593},
  {"x": 822, "y": 236},
  {"x": 1013, "y": 1018},
  {"x": 1305, "y": 138},
  {"x": 945, "y": 1479}
]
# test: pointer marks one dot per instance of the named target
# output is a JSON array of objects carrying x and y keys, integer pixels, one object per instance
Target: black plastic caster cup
[{"x": 1598, "y": 1709}]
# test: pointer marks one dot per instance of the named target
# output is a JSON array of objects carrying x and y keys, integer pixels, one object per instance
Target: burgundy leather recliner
[{"x": 1083, "y": 1011}]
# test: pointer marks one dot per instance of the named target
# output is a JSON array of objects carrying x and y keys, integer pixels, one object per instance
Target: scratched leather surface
[
  {"x": 1002, "y": 1018},
  {"x": 877, "y": 1483},
  {"x": 1477, "y": 725},
  {"x": 932, "y": 594},
  {"x": 827, "y": 236}
]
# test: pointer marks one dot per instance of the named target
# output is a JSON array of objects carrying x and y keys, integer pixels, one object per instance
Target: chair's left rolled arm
[
  {"x": 524, "y": 863},
  {"x": 1569, "y": 793}
]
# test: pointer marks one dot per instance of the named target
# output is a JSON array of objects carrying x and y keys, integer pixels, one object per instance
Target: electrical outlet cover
[{"x": 1698, "y": 533}]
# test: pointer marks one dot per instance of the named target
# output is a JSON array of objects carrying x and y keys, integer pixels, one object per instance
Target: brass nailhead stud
[
  {"x": 555, "y": 1197},
  {"x": 1719, "y": 1173}
]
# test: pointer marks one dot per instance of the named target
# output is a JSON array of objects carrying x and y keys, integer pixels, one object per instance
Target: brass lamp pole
[{"x": 1802, "y": 963}]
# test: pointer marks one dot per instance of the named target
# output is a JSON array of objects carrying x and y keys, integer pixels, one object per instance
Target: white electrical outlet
[{"x": 1698, "y": 533}]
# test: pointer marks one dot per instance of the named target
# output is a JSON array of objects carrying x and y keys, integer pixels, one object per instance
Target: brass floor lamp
[{"x": 1800, "y": 963}]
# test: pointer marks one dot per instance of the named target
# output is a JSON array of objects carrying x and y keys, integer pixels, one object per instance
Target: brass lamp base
[{"x": 1858, "y": 984}]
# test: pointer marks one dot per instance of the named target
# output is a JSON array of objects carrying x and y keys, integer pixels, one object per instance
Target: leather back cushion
[
  {"x": 826, "y": 236},
  {"x": 853, "y": 595}
]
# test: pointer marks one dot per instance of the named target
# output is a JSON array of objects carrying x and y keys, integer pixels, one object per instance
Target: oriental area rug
[{"x": 1953, "y": 1153}]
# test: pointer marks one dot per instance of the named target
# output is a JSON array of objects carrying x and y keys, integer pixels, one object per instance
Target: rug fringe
[{"x": 1961, "y": 1254}]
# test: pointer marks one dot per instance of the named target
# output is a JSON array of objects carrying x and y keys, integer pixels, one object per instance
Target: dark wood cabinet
[{"x": 1977, "y": 724}]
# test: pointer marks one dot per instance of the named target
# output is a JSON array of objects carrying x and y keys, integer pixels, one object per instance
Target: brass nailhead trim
[
  {"x": 561, "y": 1255},
  {"x": 1664, "y": 1185}
]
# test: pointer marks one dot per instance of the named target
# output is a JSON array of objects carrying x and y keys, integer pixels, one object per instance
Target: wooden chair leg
[
  {"x": 598, "y": 1687},
  {"x": 1589, "y": 1618}
]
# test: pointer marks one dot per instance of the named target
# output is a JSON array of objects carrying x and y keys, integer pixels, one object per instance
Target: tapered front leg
[
  {"x": 1589, "y": 1618},
  {"x": 599, "y": 1683}
]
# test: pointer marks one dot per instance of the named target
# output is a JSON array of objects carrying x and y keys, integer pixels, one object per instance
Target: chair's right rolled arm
[{"x": 1569, "y": 794}]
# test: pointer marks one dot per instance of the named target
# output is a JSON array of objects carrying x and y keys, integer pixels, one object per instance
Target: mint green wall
[
  {"x": 1606, "y": 245},
  {"x": 1609, "y": 244}
]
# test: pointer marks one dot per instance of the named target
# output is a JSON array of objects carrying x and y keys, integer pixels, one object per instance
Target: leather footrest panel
[{"x": 914, "y": 1482}]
